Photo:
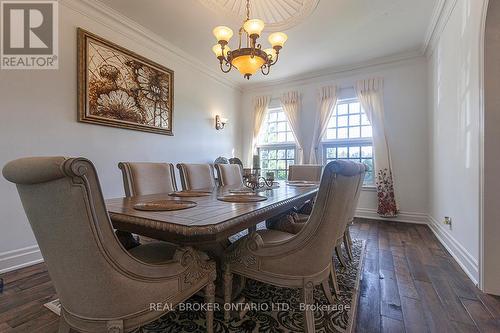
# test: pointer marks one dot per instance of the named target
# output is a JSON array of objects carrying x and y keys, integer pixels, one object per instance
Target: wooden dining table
[{"x": 208, "y": 225}]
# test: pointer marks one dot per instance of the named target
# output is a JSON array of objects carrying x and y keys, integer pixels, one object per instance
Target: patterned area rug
[{"x": 272, "y": 309}]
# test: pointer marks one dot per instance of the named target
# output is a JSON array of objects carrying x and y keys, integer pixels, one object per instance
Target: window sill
[{"x": 369, "y": 188}]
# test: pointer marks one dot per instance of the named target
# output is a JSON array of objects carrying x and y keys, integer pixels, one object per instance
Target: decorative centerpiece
[{"x": 255, "y": 182}]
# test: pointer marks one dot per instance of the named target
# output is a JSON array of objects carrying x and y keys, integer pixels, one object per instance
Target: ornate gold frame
[{"x": 82, "y": 40}]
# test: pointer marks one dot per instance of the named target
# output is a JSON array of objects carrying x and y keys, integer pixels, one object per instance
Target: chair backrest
[
  {"x": 305, "y": 172},
  {"x": 196, "y": 176},
  {"x": 229, "y": 174},
  {"x": 236, "y": 160},
  {"x": 310, "y": 250},
  {"x": 63, "y": 201},
  {"x": 147, "y": 178},
  {"x": 355, "y": 200}
]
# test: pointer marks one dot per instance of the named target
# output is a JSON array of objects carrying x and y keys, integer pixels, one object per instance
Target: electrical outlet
[{"x": 447, "y": 221}]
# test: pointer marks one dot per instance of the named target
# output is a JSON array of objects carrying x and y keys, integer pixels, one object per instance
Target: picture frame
[{"x": 120, "y": 88}]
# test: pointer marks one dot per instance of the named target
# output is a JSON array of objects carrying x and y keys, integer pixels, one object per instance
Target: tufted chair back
[
  {"x": 229, "y": 174},
  {"x": 196, "y": 176},
  {"x": 305, "y": 172},
  {"x": 147, "y": 178}
]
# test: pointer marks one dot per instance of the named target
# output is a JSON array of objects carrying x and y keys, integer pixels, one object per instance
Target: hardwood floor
[{"x": 409, "y": 283}]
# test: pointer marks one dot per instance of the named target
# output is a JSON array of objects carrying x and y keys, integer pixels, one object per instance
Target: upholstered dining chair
[
  {"x": 101, "y": 286},
  {"x": 305, "y": 172},
  {"x": 297, "y": 221},
  {"x": 142, "y": 178},
  {"x": 196, "y": 176},
  {"x": 229, "y": 174},
  {"x": 303, "y": 260}
]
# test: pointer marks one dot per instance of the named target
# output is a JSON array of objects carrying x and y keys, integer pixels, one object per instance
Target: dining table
[{"x": 208, "y": 222}]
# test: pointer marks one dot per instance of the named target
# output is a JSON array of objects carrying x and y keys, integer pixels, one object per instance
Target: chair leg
[
  {"x": 328, "y": 293},
  {"x": 210, "y": 300},
  {"x": 228, "y": 289},
  {"x": 333, "y": 277},
  {"x": 308, "y": 299},
  {"x": 338, "y": 252},
  {"x": 347, "y": 244},
  {"x": 63, "y": 326}
]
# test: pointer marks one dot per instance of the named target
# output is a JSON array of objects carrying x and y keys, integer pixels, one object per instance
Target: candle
[{"x": 256, "y": 161}]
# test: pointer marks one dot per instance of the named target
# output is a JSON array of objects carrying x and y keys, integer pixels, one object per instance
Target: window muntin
[
  {"x": 277, "y": 148},
  {"x": 276, "y": 128},
  {"x": 277, "y": 160},
  {"x": 349, "y": 137}
]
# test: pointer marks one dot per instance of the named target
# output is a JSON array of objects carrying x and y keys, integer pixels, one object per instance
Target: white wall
[
  {"x": 405, "y": 96},
  {"x": 454, "y": 125},
  {"x": 39, "y": 118}
]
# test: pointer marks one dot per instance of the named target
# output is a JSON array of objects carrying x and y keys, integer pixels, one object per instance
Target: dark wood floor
[{"x": 409, "y": 283}]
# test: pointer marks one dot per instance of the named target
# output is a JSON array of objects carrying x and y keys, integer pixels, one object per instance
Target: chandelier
[{"x": 248, "y": 60}]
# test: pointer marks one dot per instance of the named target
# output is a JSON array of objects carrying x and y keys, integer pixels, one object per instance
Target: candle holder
[{"x": 254, "y": 182}]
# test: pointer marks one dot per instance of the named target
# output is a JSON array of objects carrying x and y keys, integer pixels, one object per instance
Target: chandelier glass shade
[{"x": 249, "y": 59}]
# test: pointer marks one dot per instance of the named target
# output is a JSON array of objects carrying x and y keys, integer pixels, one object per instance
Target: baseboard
[
  {"x": 12, "y": 260},
  {"x": 405, "y": 217},
  {"x": 466, "y": 261}
]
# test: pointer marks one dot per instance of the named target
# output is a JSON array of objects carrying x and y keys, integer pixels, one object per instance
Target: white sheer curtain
[
  {"x": 327, "y": 103},
  {"x": 371, "y": 96},
  {"x": 291, "y": 106},
  {"x": 260, "y": 105}
]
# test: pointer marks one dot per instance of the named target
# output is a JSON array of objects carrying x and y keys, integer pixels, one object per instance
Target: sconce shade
[
  {"x": 277, "y": 39},
  {"x": 254, "y": 27},
  {"x": 223, "y": 33},
  {"x": 217, "y": 49}
]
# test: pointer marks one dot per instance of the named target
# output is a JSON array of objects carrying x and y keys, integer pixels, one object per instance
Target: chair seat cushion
[
  {"x": 154, "y": 253},
  {"x": 273, "y": 236}
]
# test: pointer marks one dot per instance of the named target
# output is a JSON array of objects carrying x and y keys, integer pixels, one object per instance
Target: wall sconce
[{"x": 220, "y": 122}]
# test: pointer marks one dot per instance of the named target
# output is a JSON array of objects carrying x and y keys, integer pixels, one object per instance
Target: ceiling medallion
[
  {"x": 248, "y": 60},
  {"x": 279, "y": 15}
]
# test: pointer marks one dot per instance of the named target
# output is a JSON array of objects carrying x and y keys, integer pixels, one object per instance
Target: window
[
  {"x": 349, "y": 137},
  {"x": 276, "y": 144}
]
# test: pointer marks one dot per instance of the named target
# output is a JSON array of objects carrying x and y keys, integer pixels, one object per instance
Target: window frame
[
  {"x": 355, "y": 142},
  {"x": 278, "y": 145}
]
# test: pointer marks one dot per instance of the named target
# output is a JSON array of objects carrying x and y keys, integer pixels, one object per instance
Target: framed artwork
[{"x": 120, "y": 88}]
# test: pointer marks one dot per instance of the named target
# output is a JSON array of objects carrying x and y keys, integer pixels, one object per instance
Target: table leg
[{"x": 217, "y": 251}]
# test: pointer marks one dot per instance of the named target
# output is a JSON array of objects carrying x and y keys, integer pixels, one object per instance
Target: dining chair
[
  {"x": 301, "y": 260},
  {"x": 305, "y": 172},
  {"x": 101, "y": 286},
  {"x": 141, "y": 178},
  {"x": 295, "y": 222},
  {"x": 229, "y": 174},
  {"x": 196, "y": 176},
  {"x": 236, "y": 160}
]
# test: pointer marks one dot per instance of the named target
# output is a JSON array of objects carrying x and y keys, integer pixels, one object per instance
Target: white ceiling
[{"x": 338, "y": 33}]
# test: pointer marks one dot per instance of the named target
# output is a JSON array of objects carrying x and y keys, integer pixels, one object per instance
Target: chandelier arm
[
  {"x": 275, "y": 60},
  {"x": 264, "y": 67},
  {"x": 227, "y": 64}
]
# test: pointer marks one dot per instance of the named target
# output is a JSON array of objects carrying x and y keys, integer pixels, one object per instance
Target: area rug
[{"x": 273, "y": 309}]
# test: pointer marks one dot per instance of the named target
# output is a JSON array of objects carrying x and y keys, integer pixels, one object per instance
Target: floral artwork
[{"x": 122, "y": 89}]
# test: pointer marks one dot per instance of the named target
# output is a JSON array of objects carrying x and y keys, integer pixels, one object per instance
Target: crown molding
[
  {"x": 327, "y": 73},
  {"x": 440, "y": 17},
  {"x": 121, "y": 24}
]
